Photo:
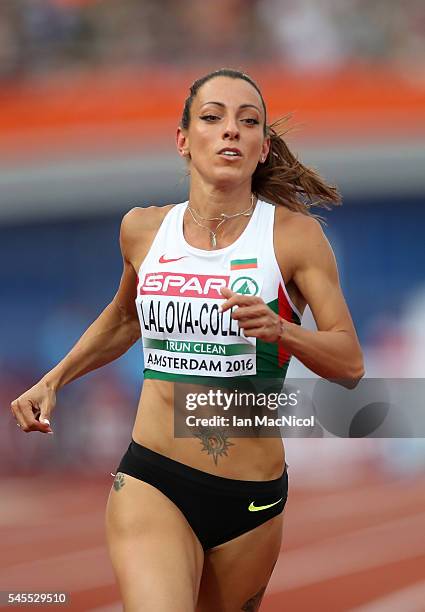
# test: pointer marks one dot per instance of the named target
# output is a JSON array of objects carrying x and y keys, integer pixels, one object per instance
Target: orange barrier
[{"x": 139, "y": 108}]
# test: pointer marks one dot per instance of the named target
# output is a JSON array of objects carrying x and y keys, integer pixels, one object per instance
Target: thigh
[
  {"x": 156, "y": 557},
  {"x": 236, "y": 573}
]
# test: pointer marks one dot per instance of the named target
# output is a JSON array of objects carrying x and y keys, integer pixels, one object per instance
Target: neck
[{"x": 210, "y": 201}]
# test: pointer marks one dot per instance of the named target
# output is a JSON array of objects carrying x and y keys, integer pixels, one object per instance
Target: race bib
[{"x": 183, "y": 330}]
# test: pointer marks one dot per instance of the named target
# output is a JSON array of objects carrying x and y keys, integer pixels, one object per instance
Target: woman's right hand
[{"x": 33, "y": 408}]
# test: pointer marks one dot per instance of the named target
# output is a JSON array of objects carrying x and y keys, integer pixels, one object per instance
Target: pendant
[{"x": 213, "y": 240}]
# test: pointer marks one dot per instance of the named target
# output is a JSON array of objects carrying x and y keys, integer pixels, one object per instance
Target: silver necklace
[{"x": 222, "y": 218}]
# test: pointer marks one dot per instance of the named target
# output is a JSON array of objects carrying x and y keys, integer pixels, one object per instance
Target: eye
[
  {"x": 209, "y": 118},
  {"x": 251, "y": 121}
]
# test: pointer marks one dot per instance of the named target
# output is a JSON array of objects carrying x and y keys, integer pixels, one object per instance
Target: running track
[{"x": 358, "y": 547}]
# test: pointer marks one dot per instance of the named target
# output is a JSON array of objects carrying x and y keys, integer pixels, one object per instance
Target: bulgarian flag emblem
[{"x": 243, "y": 264}]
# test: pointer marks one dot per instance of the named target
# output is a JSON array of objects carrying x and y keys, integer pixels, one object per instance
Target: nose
[{"x": 231, "y": 129}]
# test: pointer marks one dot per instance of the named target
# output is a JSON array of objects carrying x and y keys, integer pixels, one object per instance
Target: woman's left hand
[{"x": 253, "y": 315}]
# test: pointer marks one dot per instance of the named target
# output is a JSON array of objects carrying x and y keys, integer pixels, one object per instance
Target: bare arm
[
  {"x": 333, "y": 351},
  {"x": 108, "y": 337}
]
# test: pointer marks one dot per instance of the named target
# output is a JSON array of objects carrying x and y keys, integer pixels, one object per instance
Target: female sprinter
[{"x": 195, "y": 523}]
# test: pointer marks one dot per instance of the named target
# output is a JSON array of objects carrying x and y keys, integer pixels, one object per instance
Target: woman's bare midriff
[{"x": 236, "y": 457}]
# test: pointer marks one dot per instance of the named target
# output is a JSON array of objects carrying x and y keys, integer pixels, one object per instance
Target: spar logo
[
  {"x": 184, "y": 285},
  {"x": 245, "y": 285}
]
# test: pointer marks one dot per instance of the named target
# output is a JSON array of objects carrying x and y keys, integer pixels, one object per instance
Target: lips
[{"x": 230, "y": 151}]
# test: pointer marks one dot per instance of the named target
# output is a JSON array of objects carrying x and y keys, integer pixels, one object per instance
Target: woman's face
[{"x": 225, "y": 138}]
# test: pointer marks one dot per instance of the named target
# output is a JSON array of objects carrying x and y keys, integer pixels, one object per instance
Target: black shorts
[{"x": 217, "y": 509}]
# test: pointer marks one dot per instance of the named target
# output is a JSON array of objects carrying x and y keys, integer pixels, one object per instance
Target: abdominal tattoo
[
  {"x": 119, "y": 481},
  {"x": 253, "y": 602},
  {"x": 214, "y": 441}
]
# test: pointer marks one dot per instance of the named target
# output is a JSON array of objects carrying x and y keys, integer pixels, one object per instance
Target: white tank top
[{"x": 185, "y": 337}]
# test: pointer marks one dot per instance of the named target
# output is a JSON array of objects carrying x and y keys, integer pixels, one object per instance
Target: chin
[{"x": 228, "y": 177}]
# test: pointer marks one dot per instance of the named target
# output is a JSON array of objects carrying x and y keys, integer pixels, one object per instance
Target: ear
[
  {"x": 265, "y": 149},
  {"x": 182, "y": 142}
]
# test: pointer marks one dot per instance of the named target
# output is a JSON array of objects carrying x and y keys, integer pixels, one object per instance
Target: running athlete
[{"x": 216, "y": 286}]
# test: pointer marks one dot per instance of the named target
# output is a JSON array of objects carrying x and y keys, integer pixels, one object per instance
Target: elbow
[
  {"x": 358, "y": 369},
  {"x": 353, "y": 374}
]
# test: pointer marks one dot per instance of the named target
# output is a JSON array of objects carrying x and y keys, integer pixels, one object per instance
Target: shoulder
[
  {"x": 140, "y": 220},
  {"x": 145, "y": 218},
  {"x": 139, "y": 224},
  {"x": 299, "y": 238},
  {"x": 296, "y": 223}
]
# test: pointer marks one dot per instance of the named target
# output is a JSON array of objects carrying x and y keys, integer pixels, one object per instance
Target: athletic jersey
[{"x": 185, "y": 336}]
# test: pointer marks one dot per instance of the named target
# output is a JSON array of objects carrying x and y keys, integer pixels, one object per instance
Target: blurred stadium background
[{"x": 91, "y": 92}]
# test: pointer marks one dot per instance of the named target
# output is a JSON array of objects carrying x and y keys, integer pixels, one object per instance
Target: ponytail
[{"x": 283, "y": 180}]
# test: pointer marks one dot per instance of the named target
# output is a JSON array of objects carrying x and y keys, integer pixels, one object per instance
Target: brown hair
[{"x": 281, "y": 178}]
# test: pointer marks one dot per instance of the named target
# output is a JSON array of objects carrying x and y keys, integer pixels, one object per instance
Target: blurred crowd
[{"x": 39, "y": 36}]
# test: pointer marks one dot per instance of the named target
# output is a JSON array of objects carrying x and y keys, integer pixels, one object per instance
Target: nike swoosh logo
[
  {"x": 163, "y": 259},
  {"x": 253, "y": 508}
]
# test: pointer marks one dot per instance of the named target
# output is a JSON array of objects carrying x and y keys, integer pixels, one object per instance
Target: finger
[
  {"x": 41, "y": 427},
  {"x": 40, "y": 418},
  {"x": 238, "y": 299},
  {"x": 253, "y": 311},
  {"x": 45, "y": 414},
  {"x": 20, "y": 424},
  {"x": 14, "y": 407},
  {"x": 251, "y": 323},
  {"x": 41, "y": 424},
  {"x": 34, "y": 418},
  {"x": 226, "y": 291},
  {"x": 45, "y": 421},
  {"x": 256, "y": 332},
  {"x": 18, "y": 412},
  {"x": 29, "y": 417}
]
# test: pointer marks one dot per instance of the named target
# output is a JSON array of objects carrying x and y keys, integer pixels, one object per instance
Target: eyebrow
[{"x": 224, "y": 106}]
